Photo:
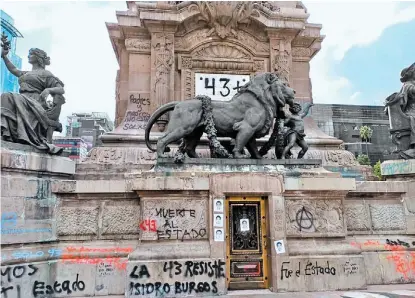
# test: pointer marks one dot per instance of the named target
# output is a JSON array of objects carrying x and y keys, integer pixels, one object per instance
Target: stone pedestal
[
  {"x": 28, "y": 204},
  {"x": 398, "y": 169}
]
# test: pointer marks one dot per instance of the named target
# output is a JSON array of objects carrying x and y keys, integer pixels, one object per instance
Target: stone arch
[{"x": 221, "y": 51}]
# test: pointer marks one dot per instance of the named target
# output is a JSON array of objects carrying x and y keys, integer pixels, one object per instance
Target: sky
[{"x": 367, "y": 44}]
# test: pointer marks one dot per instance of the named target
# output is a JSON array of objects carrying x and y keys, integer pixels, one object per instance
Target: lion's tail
[{"x": 156, "y": 115}]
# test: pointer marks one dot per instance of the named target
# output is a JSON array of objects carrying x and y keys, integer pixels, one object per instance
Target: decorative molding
[
  {"x": 221, "y": 51},
  {"x": 162, "y": 44},
  {"x": 281, "y": 67},
  {"x": 259, "y": 65},
  {"x": 186, "y": 62},
  {"x": 252, "y": 43},
  {"x": 301, "y": 52},
  {"x": 223, "y": 17},
  {"x": 224, "y": 65},
  {"x": 187, "y": 79},
  {"x": 281, "y": 53},
  {"x": 192, "y": 38},
  {"x": 138, "y": 45}
]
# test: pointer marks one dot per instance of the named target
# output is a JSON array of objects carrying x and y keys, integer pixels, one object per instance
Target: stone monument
[
  {"x": 26, "y": 117},
  {"x": 213, "y": 51},
  {"x": 400, "y": 106}
]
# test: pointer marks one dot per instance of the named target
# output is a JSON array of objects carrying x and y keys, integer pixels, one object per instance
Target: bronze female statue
[
  {"x": 26, "y": 117},
  {"x": 401, "y": 109}
]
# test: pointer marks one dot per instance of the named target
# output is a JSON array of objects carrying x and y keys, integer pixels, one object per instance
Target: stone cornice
[{"x": 279, "y": 17}]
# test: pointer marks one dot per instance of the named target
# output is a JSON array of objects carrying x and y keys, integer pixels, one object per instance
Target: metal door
[{"x": 246, "y": 243}]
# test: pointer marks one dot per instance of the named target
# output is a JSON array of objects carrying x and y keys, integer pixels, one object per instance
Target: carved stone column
[
  {"x": 281, "y": 60},
  {"x": 162, "y": 63},
  {"x": 280, "y": 53}
]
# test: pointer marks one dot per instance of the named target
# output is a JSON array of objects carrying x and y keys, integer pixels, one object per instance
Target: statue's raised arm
[{"x": 26, "y": 117}]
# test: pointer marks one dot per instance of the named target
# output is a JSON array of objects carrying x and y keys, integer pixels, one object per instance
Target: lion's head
[{"x": 271, "y": 92}]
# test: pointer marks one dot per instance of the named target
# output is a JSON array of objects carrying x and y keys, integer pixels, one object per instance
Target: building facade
[
  {"x": 88, "y": 126},
  {"x": 344, "y": 122},
  {"x": 76, "y": 148},
  {"x": 9, "y": 82}
]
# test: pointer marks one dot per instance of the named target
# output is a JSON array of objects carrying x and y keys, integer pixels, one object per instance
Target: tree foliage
[
  {"x": 363, "y": 159},
  {"x": 365, "y": 133},
  {"x": 376, "y": 170}
]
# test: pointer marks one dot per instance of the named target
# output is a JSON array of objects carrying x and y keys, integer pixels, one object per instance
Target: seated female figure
[{"x": 24, "y": 115}]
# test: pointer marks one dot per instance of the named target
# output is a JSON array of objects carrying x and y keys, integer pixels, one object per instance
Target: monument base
[
  {"x": 398, "y": 169},
  {"x": 28, "y": 204}
]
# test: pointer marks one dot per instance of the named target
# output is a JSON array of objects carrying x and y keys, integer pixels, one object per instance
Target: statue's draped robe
[
  {"x": 23, "y": 116},
  {"x": 408, "y": 105}
]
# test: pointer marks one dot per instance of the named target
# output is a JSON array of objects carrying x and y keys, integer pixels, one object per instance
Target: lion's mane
[{"x": 260, "y": 87}]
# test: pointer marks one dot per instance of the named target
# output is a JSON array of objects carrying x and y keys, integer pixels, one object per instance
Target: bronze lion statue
[{"x": 247, "y": 116}]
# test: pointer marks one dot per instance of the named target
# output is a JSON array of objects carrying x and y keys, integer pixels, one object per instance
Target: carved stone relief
[
  {"x": 138, "y": 44},
  {"x": 188, "y": 84},
  {"x": 223, "y": 17},
  {"x": 314, "y": 217},
  {"x": 191, "y": 39},
  {"x": 281, "y": 55},
  {"x": 301, "y": 52},
  {"x": 163, "y": 59},
  {"x": 282, "y": 66},
  {"x": 252, "y": 43},
  {"x": 221, "y": 51}
]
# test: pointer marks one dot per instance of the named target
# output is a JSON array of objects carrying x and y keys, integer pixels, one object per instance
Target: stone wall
[{"x": 148, "y": 233}]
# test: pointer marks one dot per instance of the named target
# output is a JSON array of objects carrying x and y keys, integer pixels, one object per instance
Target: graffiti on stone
[
  {"x": 172, "y": 278},
  {"x": 9, "y": 225},
  {"x": 137, "y": 113},
  {"x": 304, "y": 219},
  {"x": 350, "y": 268},
  {"x": 41, "y": 288},
  {"x": 296, "y": 269},
  {"x": 314, "y": 216},
  {"x": 179, "y": 219}
]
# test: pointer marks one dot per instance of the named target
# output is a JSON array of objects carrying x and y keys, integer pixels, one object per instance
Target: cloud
[
  {"x": 347, "y": 25},
  {"x": 75, "y": 37}
]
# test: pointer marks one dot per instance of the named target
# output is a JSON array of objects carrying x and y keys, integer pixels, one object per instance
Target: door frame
[{"x": 264, "y": 235}]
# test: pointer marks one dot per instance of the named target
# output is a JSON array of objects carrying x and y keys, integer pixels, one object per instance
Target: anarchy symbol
[{"x": 304, "y": 219}]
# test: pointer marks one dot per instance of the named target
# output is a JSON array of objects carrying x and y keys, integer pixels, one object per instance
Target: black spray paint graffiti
[
  {"x": 39, "y": 288},
  {"x": 304, "y": 219},
  {"x": 137, "y": 118},
  {"x": 210, "y": 269},
  {"x": 309, "y": 269},
  {"x": 170, "y": 230},
  {"x": 350, "y": 268},
  {"x": 399, "y": 243},
  {"x": 15, "y": 272},
  {"x": 170, "y": 213}
]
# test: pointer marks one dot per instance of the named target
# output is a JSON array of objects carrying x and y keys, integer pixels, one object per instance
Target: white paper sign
[
  {"x": 219, "y": 235},
  {"x": 244, "y": 224},
  {"x": 220, "y": 87},
  {"x": 279, "y": 246},
  {"x": 218, "y": 205},
  {"x": 218, "y": 219}
]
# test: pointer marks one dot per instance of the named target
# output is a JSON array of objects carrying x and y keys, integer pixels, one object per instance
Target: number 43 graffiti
[{"x": 225, "y": 86}]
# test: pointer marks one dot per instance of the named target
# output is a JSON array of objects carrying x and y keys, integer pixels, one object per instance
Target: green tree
[
  {"x": 376, "y": 170},
  {"x": 365, "y": 134},
  {"x": 363, "y": 159}
]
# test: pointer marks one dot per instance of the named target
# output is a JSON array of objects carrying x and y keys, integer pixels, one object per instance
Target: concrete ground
[{"x": 377, "y": 291}]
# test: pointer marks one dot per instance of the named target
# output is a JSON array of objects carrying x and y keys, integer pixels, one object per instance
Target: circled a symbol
[{"x": 304, "y": 219}]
